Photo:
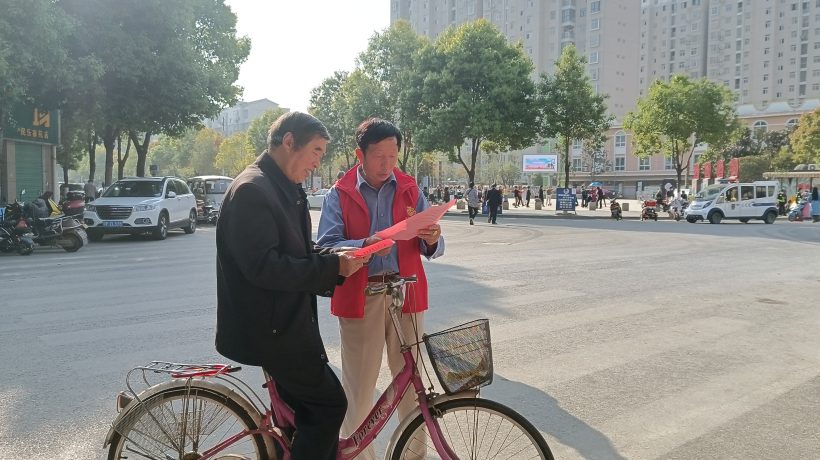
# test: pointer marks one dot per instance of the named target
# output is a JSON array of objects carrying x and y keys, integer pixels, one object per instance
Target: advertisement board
[
  {"x": 541, "y": 163},
  {"x": 565, "y": 199}
]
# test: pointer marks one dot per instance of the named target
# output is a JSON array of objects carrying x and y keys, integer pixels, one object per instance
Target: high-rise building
[
  {"x": 605, "y": 31},
  {"x": 766, "y": 51}
]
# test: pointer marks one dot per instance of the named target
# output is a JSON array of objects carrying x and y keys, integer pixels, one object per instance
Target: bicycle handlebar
[{"x": 390, "y": 285}]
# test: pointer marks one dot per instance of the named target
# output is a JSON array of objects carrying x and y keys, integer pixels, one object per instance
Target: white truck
[{"x": 741, "y": 201}]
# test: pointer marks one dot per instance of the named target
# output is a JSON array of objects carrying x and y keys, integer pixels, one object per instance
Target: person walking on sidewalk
[
  {"x": 584, "y": 196},
  {"x": 601, "y": 198},
  {"x": 529, "y": 195},
  {"x": 473, "y": 202},
  {"x": 541, "y": 195},
  {"x": 493, "y": 202}
]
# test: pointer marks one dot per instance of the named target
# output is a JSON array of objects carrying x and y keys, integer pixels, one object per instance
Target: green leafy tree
[
  {"x": 235, "y": 153},
  {"x": 259, "y": 127},
  {"x": 328, "y": 105},
  {"x": 473, "y": 86},
  {"x": 343, "y": 101},
  {"x": 36, "y": 67},
  {"x": 677, "y": 115},
  {"x": 204, "y": 150},
  {"x": 805, "y": 140},
  {"x": 390, "y": 60},
  {"x": 570, "y": 108},
  {"x": 509, "y": 173},
  {"x": 167, "y": 66}
]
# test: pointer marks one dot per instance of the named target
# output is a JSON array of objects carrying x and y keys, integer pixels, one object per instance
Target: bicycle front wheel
[
  {"x": 182, "y": 423},
  {"x": 474, "y": 429}
]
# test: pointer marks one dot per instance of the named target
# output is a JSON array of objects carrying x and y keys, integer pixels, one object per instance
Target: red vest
[{"x": 348, "y": 299}]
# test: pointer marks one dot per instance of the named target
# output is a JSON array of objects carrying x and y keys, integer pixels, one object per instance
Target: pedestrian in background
[
  {"x": 473, "y": 202},
  {"x": 493, "y": 202},
  {"x": 529, "y": 195}
]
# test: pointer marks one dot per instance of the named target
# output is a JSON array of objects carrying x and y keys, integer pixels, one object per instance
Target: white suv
[{"x": 140, "y": 205}]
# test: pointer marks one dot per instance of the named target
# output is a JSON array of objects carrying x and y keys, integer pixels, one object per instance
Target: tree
[
  {"x": 474, "y": 87},
  {"x": 677, "y": 115},
  {"x": 390, "y": 61},
  {"x": 805, "y": 140},
  {"x": 342, "y": 102},
  {"x": 593, "y": 156},
  {"x": 508, "y": 174},
  {"x": 203, "y": 152},
  {"x": 235, "y": 153},
  {"x": 570, "y": 109},
  {"x": 167, "y": 65},
  {"x": 259, "y": 127},
  {"x": 35, "y": 65}
]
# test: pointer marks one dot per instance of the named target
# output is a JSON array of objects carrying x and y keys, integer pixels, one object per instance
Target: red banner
[
  {"x": 696, "y": 172},
  {"x": 734, "y": 167},
  {"x": 707, "y": 170},
  {"x": 720, "y": 170}
]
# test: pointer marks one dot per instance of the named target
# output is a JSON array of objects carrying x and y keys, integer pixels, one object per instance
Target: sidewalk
[{"x": 549, "y": 211}]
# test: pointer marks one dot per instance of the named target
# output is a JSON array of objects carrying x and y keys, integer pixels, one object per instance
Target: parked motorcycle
[
  {"x": 14, "y": 237},
  {"x": 73, "y": 204},
  {"x": 649, "y": 211},
  {"x": 62, "y": 231},
  {"x": 615, "y": 209}
]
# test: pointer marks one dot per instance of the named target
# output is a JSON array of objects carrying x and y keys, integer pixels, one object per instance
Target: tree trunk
[
  {"x": 109, "y": 139},
  {"x": 566, "y": 163},
  {"x": 65, "y": 177},
  {"x": 405, "y": 157},
  {"x": 142, "y": 150},
  {"x": 120, "y": 158},
  {"x": 92, "y": 158}
]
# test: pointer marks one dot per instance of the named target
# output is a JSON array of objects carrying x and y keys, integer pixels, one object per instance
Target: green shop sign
[{"x": 33, "y": 125}]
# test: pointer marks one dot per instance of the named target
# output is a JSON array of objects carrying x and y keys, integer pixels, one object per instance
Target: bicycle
[{"x": 205, "y": 412}]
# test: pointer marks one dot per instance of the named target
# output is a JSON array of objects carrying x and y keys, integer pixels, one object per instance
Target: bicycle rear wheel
[
  {"x": 474, "y": 429},
  {"x": 182, "y": 423}
]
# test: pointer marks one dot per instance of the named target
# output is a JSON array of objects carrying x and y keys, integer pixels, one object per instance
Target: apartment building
[
  {"x": 239, "y": 117},
  {"x": 766, "y": 51}
]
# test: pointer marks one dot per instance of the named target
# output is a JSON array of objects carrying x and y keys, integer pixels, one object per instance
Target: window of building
[
  {"x": 668, "y": 163},
  {"x": 577, "y": 164},
  {"x": 595, "y": 24},
  {"x": 792, "y": 121},
  {"x": 620, "y": 140},
  {"x": 643, "y": 164},
  {"x": 593, "y": 57},
  {"x": 595, "y": 7},
  {"x": 620, "y": 163},
  {"x": 760, "y": 127}
]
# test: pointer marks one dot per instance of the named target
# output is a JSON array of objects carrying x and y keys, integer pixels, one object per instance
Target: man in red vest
[{"x": 372, "y": 196}]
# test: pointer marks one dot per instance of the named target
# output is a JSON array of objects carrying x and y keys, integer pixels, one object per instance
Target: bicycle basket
[{"x": 462, "y": 356}]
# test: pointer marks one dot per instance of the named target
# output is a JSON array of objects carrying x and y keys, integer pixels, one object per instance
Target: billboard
[{"x": 541, "y": 163}]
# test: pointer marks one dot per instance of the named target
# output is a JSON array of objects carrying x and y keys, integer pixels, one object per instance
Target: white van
[{"x": 744, "y": 202}]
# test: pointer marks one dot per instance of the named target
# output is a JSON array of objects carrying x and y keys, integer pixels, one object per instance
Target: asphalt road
[{"x": 617, "y": 339}]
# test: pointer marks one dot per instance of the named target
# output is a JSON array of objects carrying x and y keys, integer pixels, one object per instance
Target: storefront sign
[{"x": 33, "y": 125}]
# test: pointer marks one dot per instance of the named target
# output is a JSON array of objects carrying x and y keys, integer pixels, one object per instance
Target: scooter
[
  {"x": 615, "y": 209},
  {"x": 649, "y": 211},
  {"x": 798, "y": 211},
  {"x": 14, "y": 237},
  {"x": 676, "y": 208},
  {"x": 73, "y": 204},
  {"x": 61, "y": 231}
]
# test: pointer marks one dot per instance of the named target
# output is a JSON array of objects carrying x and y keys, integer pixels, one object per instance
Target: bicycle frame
[{"x": 281, "y": 417}]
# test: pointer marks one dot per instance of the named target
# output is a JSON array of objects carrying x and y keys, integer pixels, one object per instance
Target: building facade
[
  {"x": 766, "y": 51},
  {"x": 239, "y": 117}
]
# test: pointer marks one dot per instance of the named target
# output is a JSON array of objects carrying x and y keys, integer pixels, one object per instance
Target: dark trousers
[
  {"x": 316, "y": 396},
  {"x": 493, "y": 213},
  {"x": 473, "y": 211}
]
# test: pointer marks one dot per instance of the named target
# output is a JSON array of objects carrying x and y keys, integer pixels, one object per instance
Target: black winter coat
[{"x": 268, "y": 272}]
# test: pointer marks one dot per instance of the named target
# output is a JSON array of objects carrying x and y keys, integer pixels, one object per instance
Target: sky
[{"x": 295, "y": 44}]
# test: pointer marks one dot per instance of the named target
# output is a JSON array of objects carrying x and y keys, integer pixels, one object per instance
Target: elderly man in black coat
[{"x": 268, "y": 276}]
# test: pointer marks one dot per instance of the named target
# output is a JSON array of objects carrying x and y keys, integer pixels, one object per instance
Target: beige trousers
[{"x": 363, "y": 341}]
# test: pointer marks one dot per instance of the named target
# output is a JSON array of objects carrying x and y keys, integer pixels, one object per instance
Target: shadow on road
[{"x": 545, "y": 412}]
